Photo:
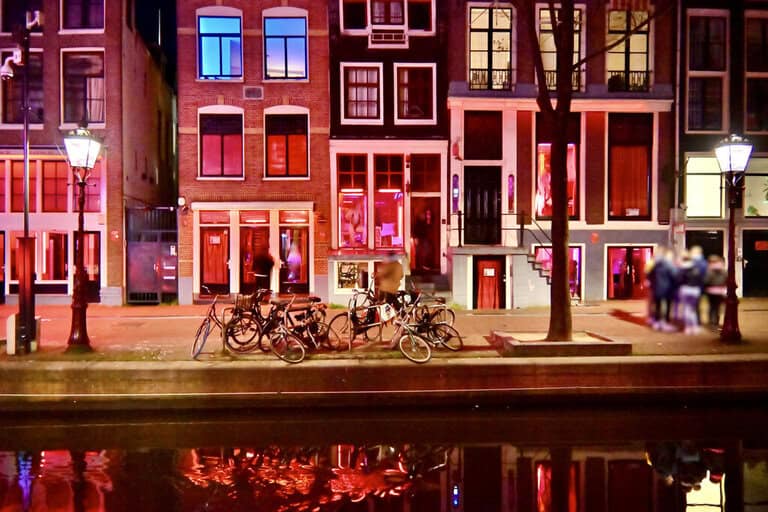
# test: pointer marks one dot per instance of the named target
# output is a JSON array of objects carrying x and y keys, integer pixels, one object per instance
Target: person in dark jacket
[
  {"x": 715, "y": 287},
  {"x": 662, "y": 280}
]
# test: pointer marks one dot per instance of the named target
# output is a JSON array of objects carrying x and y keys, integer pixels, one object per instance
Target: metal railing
[
  {"x": 628, "y": 81},
  {"x": 551, "y": 77},
  {"x": 522, "y": 220},
  {"x": 481, "y": 78}
]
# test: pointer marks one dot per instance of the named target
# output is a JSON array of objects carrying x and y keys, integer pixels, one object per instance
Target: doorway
[
  {"x": 489, "y": 282},
  {"x": 294, "y": 260},
  {"x": 92, "y": 260},
  {"x": 755, "y": 263},
  {"x": 2, "y": 267},
  {"x": 255, "y": 261},
  {"x": 214, "y": 260},
  {"x": 425, "y": 229},
  {"x": 626, "y": 271},
  {"x": 482, "y": 205}
]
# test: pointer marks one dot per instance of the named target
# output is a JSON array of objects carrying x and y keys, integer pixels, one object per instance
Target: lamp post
[
  {"x": 26, "y": 250},
  {"x": 82, "y": 151},
  {"x": 732, "y": 157}
]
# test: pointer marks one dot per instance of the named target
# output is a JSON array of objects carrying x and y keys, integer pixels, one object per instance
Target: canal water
[{"x": 577, "y": 459}]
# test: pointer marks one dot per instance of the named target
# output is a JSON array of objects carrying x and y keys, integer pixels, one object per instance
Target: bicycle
[
  {"x": 211, "y": 319},
  {"x": 282, "y": 341}
]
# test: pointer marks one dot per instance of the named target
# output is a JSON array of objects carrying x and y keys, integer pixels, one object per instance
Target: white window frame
[
  {"x": 287, "y": 12},
  {"x": 218, "y": 10},
  {"x": 396, "y": 95},
  {"x": 286, "y": 110},
  {"x": 763, "y": 75},
  {"x": 723, "y": 75},
  {"x": 343, "y": 89},
  {"x": 69, "y": 125},
  {"x": 219, "y": 109},
  {"x": 16, "y": 126},
  {"x": 369, "y": 23},
  {"x": 513, "y": 45},
  {"x": 582, "y": 38},
  {"x": 63, "y": 30},
  {"x": 651, "y": 42}
]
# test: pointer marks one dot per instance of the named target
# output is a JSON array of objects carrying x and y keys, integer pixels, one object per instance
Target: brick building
[
  {"x": 88, "y": 62},
  {"x": 253, "y": 146}
]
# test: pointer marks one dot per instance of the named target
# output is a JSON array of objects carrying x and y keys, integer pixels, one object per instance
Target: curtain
[
  {"x": 95, "y": 99},
  {"x": 628, "y": 181}
]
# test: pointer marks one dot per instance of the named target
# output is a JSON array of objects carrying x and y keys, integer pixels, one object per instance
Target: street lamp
[
  {"x": 26, "y": 258},
  {"x": 732, "y": 156},
  {"x": 83, "y": 149}
]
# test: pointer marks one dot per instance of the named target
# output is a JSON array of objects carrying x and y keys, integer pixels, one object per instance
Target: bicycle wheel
[
  {"x": 343, "y": 329},
  {"x": 447, "y": 336},
  {"x": 201, "y": 336},
  {"x": 287, "y": 347},
  {"x": 243, "y": 333},
  {"x": 324, "y": 335},
  {"x": 444, "y": 315},
  {"x": 414, "y": 348}
]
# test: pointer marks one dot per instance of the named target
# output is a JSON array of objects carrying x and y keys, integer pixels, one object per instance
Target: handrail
[{"x": 521, "y": 217}]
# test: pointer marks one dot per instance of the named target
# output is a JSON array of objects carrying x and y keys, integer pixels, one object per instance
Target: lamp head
[
  {"x": 83, "y": 148},
  {"x": 733, "y": 153}
]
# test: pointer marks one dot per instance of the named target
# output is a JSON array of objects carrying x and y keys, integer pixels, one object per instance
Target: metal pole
[
  {"x": 730, "y": 332},
  {"x": 78, "y": 334}
]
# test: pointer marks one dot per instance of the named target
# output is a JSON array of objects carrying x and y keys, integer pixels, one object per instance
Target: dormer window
[{"x": 387, "y": 12}]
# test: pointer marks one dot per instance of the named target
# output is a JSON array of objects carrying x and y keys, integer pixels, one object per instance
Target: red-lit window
[
  {"x": 287, "y": 146},
  {"x": 629, "y": 169},
  {"x": 352, "y": 175},
  {"x": 388, "y": 201},
  {"x": 55, "y": 176},
  {"x": 92, "y": 191},
  {"x": 543, "y": 255},
  {"x": 545, "y": 132},
  {"x": 2, "y": 190},
  {"x": 544, "y": 487},
  {"x": 54, "y": 264},
  {"x": 17, "y": 187},
  {"x": 221, "y": 145}
]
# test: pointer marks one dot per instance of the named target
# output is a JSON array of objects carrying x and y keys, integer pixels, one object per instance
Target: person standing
[
  {"x": 388, "y": 279},
  {"x": 715, "y": 287}
]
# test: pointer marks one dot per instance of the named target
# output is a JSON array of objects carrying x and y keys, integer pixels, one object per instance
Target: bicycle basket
[{"x": 243, "y": 302}]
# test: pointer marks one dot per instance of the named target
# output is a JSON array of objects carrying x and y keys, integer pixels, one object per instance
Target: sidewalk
[{"x": 141, "y": 360}]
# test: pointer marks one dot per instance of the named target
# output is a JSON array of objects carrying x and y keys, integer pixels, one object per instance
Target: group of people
[{"x": 677, "y": 285}]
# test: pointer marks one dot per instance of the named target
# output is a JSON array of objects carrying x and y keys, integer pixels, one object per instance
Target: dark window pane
[
  {"x": 84, "y": 98},
  {"x": 12, "y": 91},
  {"x": 705, "y": 104},
  {"x": 14, "y": 13},
  {"x": 757, "y": 104},
  {"x": 482, "y": 135},
  {"x": 83, "y": 14},
  {"x": 707, "y": 43},
  {"x": 757, "y": 44},
  {"x": 420, "y": 15},
  {"x": 355, "y": 14}
]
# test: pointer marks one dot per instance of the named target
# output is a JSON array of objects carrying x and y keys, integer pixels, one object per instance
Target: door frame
[
  {"x": 225, "y": 288},
  {"x": 469, "y": 172}
]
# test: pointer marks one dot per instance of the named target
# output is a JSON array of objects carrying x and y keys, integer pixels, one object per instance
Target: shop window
[
  {"x": 490, "y": 48},
  {"x": 361, "y": 93},
  {"x": 388, "y": 201},
  {"x": 82, "y": 14},
  {"x": 294, "y": 255},
  {"x": 92, "y": 191},
  {"x": 415, "y": 93},
  {"x": 349, "y": 274},
  {"x": 756, "y": 188},
  {"x": 83, "y": 87},
  {"x": 55, "y": 186},
  {"x": 12, "y": 91},
  {"x": 285, "y": 48},
  {"x": 219, "y": 45},
  {"x": 543, "y": 255},
  {"x": 544, "y": 136},
  {"x": 17, "y": 186},
  {"x": 626, "y": 272},
  {"x": 221, "y": 145},
  {"x": 353, "y": 211},
  {"x": 703, "y": 188},
  {"x": 629, "y": 169},
  {"x": 287, "y": 146},
  {"x": 54, "y": 264},
  {"x": 483, "y": 135},
  {"x": 256, "y": 263}
]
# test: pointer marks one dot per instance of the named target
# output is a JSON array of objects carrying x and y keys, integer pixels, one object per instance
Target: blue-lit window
[
  {"x": 220, "y": 48},
  {"x": 285, "y": 48}
]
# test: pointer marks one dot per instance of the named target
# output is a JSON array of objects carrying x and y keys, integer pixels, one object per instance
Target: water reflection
[{"x": 602, "y": 472}]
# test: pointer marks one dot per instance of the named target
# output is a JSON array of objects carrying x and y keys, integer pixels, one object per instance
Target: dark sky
[{"x": 147, "y": 14}]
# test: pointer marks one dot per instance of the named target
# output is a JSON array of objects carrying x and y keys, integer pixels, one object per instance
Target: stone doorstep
[{"x": 584, "y": 344}]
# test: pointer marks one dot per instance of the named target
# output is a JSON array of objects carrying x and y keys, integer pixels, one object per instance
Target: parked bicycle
[
  {"x": 366, "y": 315},
  {"x": 210, "y": 321}
]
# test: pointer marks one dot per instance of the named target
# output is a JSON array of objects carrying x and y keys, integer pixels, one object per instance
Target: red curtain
[
  {"x": 488, "y": 279},
  {"x": 628, "y": 181}
]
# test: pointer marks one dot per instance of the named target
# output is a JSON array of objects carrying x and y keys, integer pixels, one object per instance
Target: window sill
[
  {"x": 20, "y": 126},
  {"x": 220, "y": 178},
  {"x": 79, "y": 31},
  {"x": 238, "y": 80},
  {"x": 285, "y": 80},
  {"x": 286, "y": 178}
]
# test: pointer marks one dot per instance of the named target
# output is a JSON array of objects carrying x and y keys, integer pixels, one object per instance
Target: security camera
[{"x": 6, "y": 71}]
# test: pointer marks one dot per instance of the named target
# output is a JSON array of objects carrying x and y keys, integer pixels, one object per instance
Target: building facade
[
  {"x": 88, "y": 63},
  {"x": 723, "y": 48},
  {"x": 388, "y": 140},
  {"x": 620, "y": 156},
  {"x": 253, "y": 146}
]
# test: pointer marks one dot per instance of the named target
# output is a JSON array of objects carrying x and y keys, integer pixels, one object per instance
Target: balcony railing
[
  {"x": 628, "y": 81},
  {"x": 500, "y": 79},
  {"x": 551, "y": 76}
]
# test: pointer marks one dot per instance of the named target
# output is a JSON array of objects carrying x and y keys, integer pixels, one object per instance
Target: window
[
  {"x": 627, "y": 63},
  {"x": 285, "y": 48},
  {"x": 490, "y": 48},
  {"x": 352, "y": 172},
  {"x": 415, "y": 94},
  {"x": 757, "y": 74},
  {"x": 425, "y": 173},
  {"x": 354, "y": 14},
  {"x": 84, "y": 98},
  {"x": 549, "y": 51},
  {"x": 388, "y": 200},
  {"x": 54, "y": 264},
  {"x": 703, "y": 187},
  {"x": 286, "y": 146},
  {"x": 92, "y": 191},
  {"x": 629, "y": 166},
  {"x": 14, "y": 13},
  {"x": 80, "y": 14},
  {"x": 17, "y": 186},
  {"x": 55, "y": 177},
  {"x": 361, "y": 94},
  {"x": 420, "y": 15},
  {"x": 221, "y": 145},
  {"x": 544, "y": 136},
  {"x": 387, "y": 12},
  {"x": 756, "y": 188},
  {"x": 483, "y": 135},
  {"x": 220, "y": 48},
  {"x": 707, "y": 69},
  {"x": 2, "y": 188},
  {"x": 12, "y": 91}
]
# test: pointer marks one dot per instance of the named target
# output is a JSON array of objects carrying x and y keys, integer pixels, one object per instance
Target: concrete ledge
[{"x": 584, "y": 344}]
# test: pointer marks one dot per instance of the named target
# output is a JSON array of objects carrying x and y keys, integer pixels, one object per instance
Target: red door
[{"x": 489, "y": 279}]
